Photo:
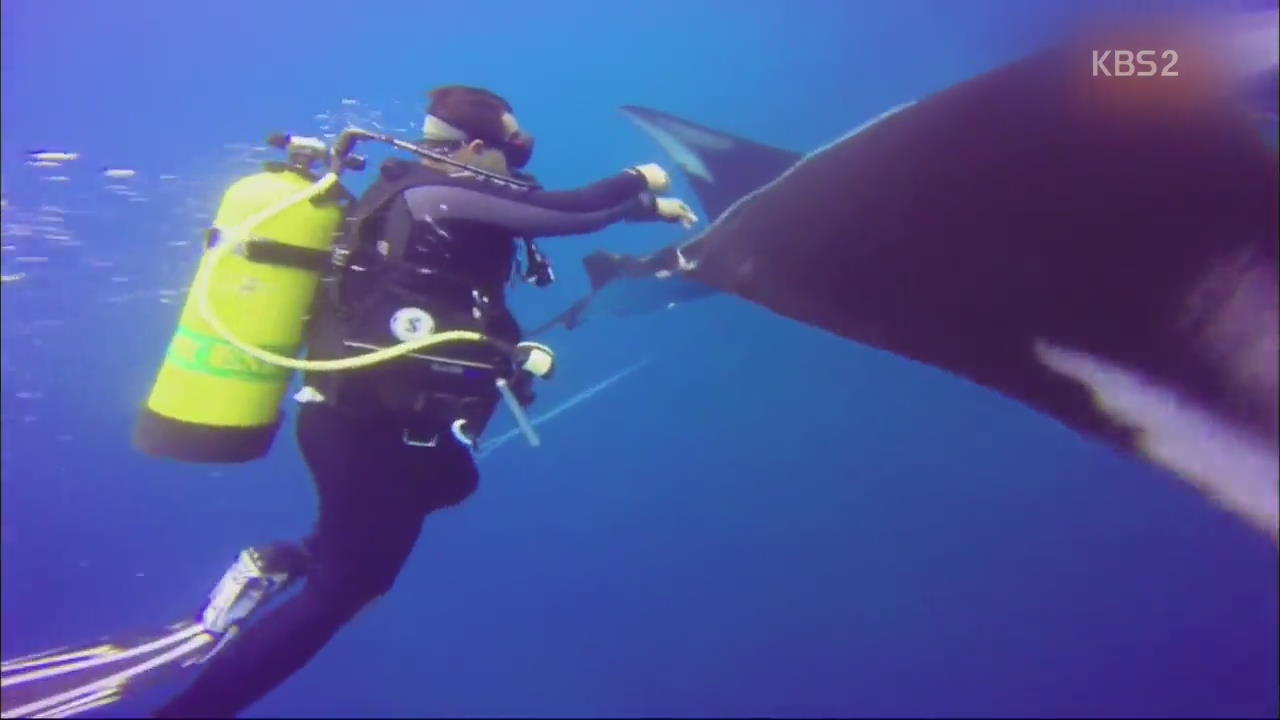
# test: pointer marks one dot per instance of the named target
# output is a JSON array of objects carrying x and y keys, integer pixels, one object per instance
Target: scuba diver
[{"x": 429, "y": 248}]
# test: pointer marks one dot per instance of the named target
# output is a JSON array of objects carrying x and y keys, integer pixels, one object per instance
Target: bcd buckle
[
  {"x": 537, "y": 268},
  {"x": 432, "y": 442}
]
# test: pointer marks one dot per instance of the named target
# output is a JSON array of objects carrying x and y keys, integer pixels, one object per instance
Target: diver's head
[
  {"x": 479, "y": 155},
  {"x": 475, "y": 127}
]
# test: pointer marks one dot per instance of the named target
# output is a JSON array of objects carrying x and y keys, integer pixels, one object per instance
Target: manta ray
[{"x": 1100, "y": 248}]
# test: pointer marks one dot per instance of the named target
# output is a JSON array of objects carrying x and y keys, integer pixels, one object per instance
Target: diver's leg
[{"x": 374, "y": 493}]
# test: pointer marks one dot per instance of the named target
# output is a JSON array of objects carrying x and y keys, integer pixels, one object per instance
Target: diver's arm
[{"x": 538, "y": 213}]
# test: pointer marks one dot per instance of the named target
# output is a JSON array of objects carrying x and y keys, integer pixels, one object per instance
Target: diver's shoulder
[
  {"x": 399, "y": 170},
  {"x": 407, "y": 174}
]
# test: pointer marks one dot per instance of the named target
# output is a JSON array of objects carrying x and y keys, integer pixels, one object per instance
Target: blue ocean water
[{"x": 761, "y": 521}]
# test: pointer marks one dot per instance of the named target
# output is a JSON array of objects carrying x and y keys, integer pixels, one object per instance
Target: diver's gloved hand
[
  {"x": 654, "y": 176},
  {"x": 675, "y": 210}
]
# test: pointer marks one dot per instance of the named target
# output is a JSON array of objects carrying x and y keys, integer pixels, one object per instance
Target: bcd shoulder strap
[{"x": 396, "y": 177}]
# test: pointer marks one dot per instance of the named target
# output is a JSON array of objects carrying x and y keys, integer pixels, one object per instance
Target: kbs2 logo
[{"x": 1127, "y": 63}]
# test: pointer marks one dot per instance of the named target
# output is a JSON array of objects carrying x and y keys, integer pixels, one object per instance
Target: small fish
[
  {"x": 119, "y": 173},
  {"x": 53, "y": 156}
]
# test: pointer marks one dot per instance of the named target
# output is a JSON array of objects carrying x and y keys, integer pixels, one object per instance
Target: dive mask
[{"x": 518, "y": 149}]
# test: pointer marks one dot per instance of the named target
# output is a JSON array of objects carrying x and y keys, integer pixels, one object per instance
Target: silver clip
[{"x": 461, "y": 436}]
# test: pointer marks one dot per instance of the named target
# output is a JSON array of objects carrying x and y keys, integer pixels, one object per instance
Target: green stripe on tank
[{"x": 210, "y": 355}]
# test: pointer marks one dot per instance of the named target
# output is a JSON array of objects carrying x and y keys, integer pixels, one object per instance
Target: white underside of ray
[{"x": 1231, "y": 467}]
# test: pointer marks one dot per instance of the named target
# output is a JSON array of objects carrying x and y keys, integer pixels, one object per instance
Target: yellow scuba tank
[{"x": 212, "y": 402}]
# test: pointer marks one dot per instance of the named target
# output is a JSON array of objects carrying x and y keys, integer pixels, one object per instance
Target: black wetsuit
[{"x": 453, "y": 239}]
